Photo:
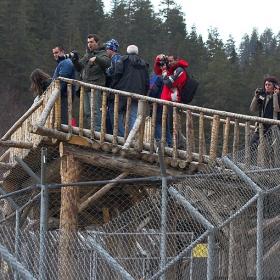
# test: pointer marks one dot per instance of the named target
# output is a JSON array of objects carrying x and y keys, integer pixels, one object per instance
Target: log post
[
  {"x": 81, "y": 111},
  {"x": 226, "y": 136},
  {"x": 57, "y": 123},
  {"x": 140, "y": 135},
  {"x": 201, "y": 144},
  {"x": 214, "y": 139},
  {"x": 127, "y": 117},
  {"x": 247, "y": 144},
  {"x": 92, "y": 98},
  {"x": 70, "y": 196},
  {"x": 163, "y": 127},
  {"x": 189, "y": 138},
  {"x": 69, "y": 103},
  {"x": 238, "y": 248},
  {"x": 153, "y": 128},
  {"x": 103, "y": 117},
  {"x": 236, "y": 135},
  {"x": 116, "y": 115}
]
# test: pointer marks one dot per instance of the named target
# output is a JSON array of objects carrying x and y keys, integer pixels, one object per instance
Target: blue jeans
[
  {"x": 97, "y": 108},
  {"x": 121, "y": 114},
  {"x": 158, "y": 127},
  {"x": 64, "y": 110},
  {"x": 158, "y": 134}
]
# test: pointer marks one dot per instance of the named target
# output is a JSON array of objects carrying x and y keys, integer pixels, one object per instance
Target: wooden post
[
  {"x": 103, "y": 117},
  {"x": 226, "y": 136},
  {"x": 163, "y": 127},
  {"x": 236, "y": 139},
  {"x": 247, "y": 144},
  {"x": 70, "y": 196},
  {"x": 201, "y": 144},
  {"x": 153, "y": 128},
  {"x": 69, "y": 102},
  {"x": 127, "y": 117},
  {"x": 58, "y": 107},
  {"x": 214, "y": 139},
  {"x": 189, "y": 136},
  {"x": 92, "y": 98},
  {"x": 81, "y": 115},
  {"x": 116, "y": 116},
  {"x": 140, "y": 135},
  {"x": 238, "y": 248}
]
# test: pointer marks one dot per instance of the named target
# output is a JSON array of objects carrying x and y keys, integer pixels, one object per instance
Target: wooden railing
[{"x": 208, "y": 134}]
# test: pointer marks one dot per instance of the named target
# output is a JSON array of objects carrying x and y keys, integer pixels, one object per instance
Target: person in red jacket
[{"x": 174, "y": 77}]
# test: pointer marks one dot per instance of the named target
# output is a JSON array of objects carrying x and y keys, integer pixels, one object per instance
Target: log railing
[{"x": 207, "y": 134}]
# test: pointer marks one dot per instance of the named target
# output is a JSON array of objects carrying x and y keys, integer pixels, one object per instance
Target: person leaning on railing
[
  {"x": 39, "y": 83},
  {"x": 266, "y": 101}
]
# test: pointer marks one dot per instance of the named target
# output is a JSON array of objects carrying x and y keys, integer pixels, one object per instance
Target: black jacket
[{"x": 131, "y": 74}]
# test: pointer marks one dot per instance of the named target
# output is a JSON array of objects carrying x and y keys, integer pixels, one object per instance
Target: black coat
[{"x": 131, "y": 74}]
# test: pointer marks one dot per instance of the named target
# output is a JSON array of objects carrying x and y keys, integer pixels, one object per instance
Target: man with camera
[
  {"x": 171, "y": 68},
  {"x": 64, "y": 69},
  {"x": 92, "y": 68},
  {"x": 266, "y": 101}
]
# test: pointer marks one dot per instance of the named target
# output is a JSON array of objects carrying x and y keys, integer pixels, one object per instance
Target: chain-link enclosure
[{"x": 221, "y": 223}]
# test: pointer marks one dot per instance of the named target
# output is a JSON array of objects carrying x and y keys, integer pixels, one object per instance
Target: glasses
[{"x": 268, "y": 84}]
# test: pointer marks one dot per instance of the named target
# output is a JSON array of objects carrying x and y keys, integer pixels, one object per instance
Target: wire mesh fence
[{"x": 104, "y": 223}]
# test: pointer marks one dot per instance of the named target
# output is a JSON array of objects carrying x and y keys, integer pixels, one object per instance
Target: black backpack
[{"x": 189, "y": 89}]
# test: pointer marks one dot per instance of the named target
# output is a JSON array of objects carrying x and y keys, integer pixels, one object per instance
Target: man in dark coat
[{"x": 131, "y": 75}]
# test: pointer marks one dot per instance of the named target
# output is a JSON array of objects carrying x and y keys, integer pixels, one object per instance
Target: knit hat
[{"x": 112, "y": 45}]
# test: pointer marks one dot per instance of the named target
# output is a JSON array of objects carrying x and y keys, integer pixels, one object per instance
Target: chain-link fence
[{"x": 104, "y": 223}]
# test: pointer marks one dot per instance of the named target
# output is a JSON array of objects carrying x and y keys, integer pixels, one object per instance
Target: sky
[{"x": 229, "y": 17}]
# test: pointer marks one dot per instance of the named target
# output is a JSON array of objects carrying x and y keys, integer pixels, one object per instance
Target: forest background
[{"x": 29, "y": 29}]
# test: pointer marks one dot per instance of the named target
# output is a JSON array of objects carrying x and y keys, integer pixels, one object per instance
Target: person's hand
[
  {"x": 75, "y": 55},
  {"x": 161, "y": 56},
  {"x": 92, "y": 59},
  {"x": 276, "y": 89},
  {"x": 256, "y": 93}
]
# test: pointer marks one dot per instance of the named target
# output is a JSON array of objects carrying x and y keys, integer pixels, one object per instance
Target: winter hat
[{"x": 112, "y": 45}]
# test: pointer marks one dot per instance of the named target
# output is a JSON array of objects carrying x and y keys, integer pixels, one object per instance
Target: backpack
[{"x": 189, "y": 89}]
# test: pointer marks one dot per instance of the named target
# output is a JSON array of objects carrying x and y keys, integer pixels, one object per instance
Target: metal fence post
[
  {"x": 17, "y": 239},
  {"x": 163, "y": 207},
  {"x": 259, "y": 261},
  {"x": 43, "y": 216}
]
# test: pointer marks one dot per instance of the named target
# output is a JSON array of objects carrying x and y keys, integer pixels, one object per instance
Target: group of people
[{"x": 102, "y": 65}]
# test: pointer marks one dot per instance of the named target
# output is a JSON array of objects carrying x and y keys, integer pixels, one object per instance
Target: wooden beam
[
  {"x": 16, "y": 144},
  {"x": 101, "y": 192},
  {"x": 44, "y": 131},
  {"x": 22, "y": 119},
  {"x": 116, "y": 163},
  {"x": 46, "y": 112},
  {"x": 70, "y": 172}
]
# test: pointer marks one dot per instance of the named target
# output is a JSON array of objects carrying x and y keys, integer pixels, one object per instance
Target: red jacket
[{"x": 173, "y": 78}]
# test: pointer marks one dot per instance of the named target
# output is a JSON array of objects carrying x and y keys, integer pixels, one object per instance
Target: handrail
[
  {"x": 174, "y": 104},
  {"x": 197, "y": 125}
]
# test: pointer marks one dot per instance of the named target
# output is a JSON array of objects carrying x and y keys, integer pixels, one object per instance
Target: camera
[
  {"x": 72, "y": 55},
  {"x": 162, "y": 62},
  {"x": 261, "y": 93}
]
